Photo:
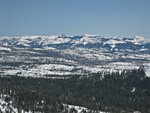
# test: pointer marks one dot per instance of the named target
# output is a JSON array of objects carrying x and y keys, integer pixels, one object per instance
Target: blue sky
[{"x": 75, "y": 17}]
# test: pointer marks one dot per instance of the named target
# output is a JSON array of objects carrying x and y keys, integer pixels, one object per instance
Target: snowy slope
[
  {"x": 79, "y": 109},
  {"x": 85, "y": 40},
  {"x": 41, "y": 56},
  {"x": 5, "y": 106}
]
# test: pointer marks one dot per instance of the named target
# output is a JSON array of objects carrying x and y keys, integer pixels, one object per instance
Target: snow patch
[
  {"x": 113, "y": 42},
  {"x": 4, "y": 49},
  {"x": 133, "y": 90},
  {"x": 79, "y": 109}
]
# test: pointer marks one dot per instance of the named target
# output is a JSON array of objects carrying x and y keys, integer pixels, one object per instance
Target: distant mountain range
[
  {"x": 64, "y": 55},
  {"x": 138, "y": 44}
]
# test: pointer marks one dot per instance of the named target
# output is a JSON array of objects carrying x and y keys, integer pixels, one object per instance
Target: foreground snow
[
  {"x": 7, "y": 107},
  {"x": 4, "y": 106},
  {"x": 80, "y": 109}
]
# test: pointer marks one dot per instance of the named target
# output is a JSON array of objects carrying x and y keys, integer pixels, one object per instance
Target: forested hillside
[{"x": 109, "y": 92}]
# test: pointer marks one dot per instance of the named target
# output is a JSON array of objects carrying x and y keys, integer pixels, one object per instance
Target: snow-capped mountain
[
  {"x": 64, "y": 55},
  {"x": 87, "y": 41}
]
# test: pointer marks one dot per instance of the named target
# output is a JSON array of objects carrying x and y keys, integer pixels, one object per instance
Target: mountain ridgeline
[{"x": 138, "y": 44}]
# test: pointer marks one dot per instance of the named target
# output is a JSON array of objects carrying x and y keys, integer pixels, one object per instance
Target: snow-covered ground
[
  {"x": 45, "y": 70},
  {"x": 79, "y": 109},
  {"x": 81, "y": 61},
  {"x": 67, "y": 55},
  {"x": 7, "y": 106},
  {"x": 147, "y": 69},
  {"x": 5, "y": 49},
  {"x": 4, "y": 107}
]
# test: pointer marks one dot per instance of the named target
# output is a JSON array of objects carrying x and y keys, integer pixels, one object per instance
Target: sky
[{"x": 75, "y": 17}]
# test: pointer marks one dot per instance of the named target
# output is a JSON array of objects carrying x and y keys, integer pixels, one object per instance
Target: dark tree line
[{"x": 113, "y": 92}]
